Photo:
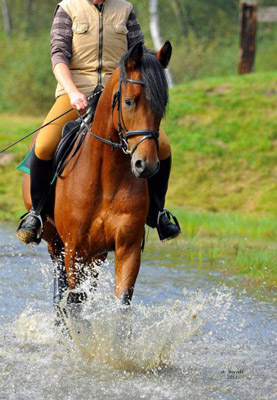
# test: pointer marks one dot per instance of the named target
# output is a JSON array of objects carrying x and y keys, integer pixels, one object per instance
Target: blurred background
[{"x": 204, "y": 34}]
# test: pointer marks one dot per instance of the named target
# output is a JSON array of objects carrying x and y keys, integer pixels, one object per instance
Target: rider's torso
[{"x": 99, "y": 41}]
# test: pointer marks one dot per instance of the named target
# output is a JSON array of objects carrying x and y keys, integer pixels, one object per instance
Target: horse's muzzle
[{"x": 144, "y": 169}]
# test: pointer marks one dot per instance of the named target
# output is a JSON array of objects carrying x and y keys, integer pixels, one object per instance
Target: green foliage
[
  {"x": 26, "y": 78},
  {"x": 242, "y": 248},
  {"x": 30, "y": 16},
  {"x": 205, "y": 38},
  {"x": 223, "y": 135}
]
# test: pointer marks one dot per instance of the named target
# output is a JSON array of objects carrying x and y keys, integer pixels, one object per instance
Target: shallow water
[{"x": 193, "y": 335}]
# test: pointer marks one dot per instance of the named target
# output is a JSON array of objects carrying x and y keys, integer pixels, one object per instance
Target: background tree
[
  {"x": 6, "y": 17},
  {"x": 155, "y": 32}
]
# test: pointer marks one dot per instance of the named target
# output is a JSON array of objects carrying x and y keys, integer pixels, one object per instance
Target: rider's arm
[
  {"x": 62, "y": 74},
  {"x": 61, "y": 51}
]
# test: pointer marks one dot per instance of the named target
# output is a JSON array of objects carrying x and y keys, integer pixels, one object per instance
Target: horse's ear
[
  {"x": 164, "y": 54},
  {"x": 135, "y": 56}
]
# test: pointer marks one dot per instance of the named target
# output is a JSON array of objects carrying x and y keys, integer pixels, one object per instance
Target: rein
[
  {"x": 123, "y": 144},
  {"x": 48, "y": 123}
]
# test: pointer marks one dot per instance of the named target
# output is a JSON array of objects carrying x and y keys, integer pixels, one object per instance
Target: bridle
[
  {"x": 123, "y": 140},
  {"x": 145, "y": 133}
]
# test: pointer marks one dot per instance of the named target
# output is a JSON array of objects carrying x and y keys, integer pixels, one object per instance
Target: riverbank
[
  {"x": 242, "y": 247},
  {"x": 223, "y": 183}
]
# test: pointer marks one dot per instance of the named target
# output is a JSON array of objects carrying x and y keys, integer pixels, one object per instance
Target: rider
[{"x": 88, "y": 39}]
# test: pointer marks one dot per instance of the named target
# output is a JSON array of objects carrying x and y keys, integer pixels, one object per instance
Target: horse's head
[{"x": 141, "y": 97}]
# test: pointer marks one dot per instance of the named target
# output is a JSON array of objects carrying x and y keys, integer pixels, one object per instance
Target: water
[{"x": 194, "y": 336}]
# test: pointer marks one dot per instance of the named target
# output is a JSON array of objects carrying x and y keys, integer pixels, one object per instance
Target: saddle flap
[
  {"x": 69, "y": 127},
  {"x": 69, "y": 136}
]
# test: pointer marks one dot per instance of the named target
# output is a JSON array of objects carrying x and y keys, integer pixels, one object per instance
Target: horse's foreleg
[
  {"x": 74, "y": 273},
  {"x": 78, "y": 269},
  {"x": 127, "y": 263},
  {"x": 56, "y": 250}
]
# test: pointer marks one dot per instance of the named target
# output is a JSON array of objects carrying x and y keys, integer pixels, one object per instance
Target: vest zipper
[{"x": 100, "y": 54}]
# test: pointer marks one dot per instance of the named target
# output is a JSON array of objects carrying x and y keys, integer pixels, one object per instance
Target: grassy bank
[
  {"x": 12, "y": 128},
  {"x": 243, "y": 247},
  {"x": 224, "y": 137}
]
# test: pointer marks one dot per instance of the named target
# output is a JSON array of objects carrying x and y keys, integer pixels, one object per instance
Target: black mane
[{"x": 154, "y": 78}]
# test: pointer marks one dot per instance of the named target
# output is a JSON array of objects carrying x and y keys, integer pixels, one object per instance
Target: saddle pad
[
  {"x": 24, "y": 166},
  {"x": 69, "y": 137},
  {"x": 70, "y": 134}
]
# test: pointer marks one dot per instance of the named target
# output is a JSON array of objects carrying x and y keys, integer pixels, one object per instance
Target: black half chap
[
  {"x": 157, "y": 186},
  {"x": 40, "y": 172}
]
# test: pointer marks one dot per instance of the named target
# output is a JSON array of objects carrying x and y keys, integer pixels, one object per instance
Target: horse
[{"x": 101, "y": 200}]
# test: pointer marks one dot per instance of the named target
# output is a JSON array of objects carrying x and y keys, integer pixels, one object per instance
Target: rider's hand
[{"x": 78, "y": 100}]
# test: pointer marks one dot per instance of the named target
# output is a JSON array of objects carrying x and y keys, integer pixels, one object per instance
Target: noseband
[
  {"x": 123, "y": 144},
  {"x": 145, "y": 133}
]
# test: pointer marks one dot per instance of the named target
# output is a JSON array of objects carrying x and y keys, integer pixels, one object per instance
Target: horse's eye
[{"x": 129, "y": 102}]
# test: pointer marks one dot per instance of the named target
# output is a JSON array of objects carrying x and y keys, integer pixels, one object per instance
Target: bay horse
[{"x": 101, "y": 199}]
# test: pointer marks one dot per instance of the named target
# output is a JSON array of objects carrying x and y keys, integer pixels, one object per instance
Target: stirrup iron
[
  {"x": 32, "y": 213},
  {"x": 171, "y": 217}
]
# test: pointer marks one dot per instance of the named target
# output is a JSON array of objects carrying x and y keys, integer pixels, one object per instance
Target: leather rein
[{"x": 123, "y": 140}]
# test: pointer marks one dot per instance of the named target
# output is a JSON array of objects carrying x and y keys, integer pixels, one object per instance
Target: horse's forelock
[{"x": 153, "y": 75}]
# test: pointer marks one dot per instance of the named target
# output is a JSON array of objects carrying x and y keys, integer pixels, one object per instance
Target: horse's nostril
[{"x": 139, "y": 164}]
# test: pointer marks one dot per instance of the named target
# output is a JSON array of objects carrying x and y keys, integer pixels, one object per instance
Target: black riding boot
[
  {"x": 158, "y": 217},
  {"x": 31, "y": 223}
]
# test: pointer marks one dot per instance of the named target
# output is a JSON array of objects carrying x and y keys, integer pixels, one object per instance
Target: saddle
[
  {"x": 72, "y": 131},
  {"x": 70, "y": 134}
]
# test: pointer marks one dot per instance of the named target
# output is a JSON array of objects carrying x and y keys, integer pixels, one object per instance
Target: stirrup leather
[{"x": 32, "y": 213}]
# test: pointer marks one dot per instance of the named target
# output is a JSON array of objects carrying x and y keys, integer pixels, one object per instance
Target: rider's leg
[
  {"x": 158, "y": 184},
  {"x": 49, "y": 137},
  {"x": 41, "y": 164}
]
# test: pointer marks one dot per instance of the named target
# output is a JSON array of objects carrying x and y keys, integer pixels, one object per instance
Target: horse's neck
[
  {"x": 103, "y": 121},
  {"x": 101, "y": 155}
]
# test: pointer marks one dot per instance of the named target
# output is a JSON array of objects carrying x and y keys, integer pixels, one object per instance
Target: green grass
[
  {"x": 224, "y": 138},
  {"x": 243, "y": 247},
  {"x": 13, "y": 128},
  {"x": 223, "y": 133}
]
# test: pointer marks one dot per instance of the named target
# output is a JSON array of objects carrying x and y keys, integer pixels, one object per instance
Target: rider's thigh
[
  {"x": 164, "y": 146},
  {"x": 48, "y": 138}
]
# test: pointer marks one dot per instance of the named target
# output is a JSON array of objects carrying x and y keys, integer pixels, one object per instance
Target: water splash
[
  {"x": 213, "y": 343},
  {"x": 137, "y": 338}
]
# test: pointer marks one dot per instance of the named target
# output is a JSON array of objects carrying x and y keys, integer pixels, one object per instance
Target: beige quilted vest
[{"x": 99, "y": 41}]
